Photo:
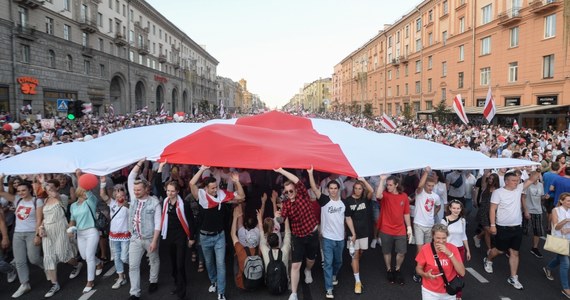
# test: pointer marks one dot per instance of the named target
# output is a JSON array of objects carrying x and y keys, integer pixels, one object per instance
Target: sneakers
[
  {"x": 212, "y": 288},
  {"x": 293, "y": 296},
  {"x": 390, "y": 276},
  {"x": 308, "y": 276},
  {"x": 488, "y": 265},
  {"x": 477, "y": 241},
  {"x": 119, "y": 282},
  {"x": 221, "y": 297},
  {"x": 152, "y": 287},
  {"x": 358, "y": 288},
  {"x": 398, "y": 277},
  {"x": 329, "y": 294},
  {"x": 76, "y": 270},
  {"x": 12, "y": 275},
  {"x": 54, "y": 289},
  {"x": 547, "y": 273},
  {"x": 335, "y": 280},
  {"x": 536, "y": 253},
  {"x": 24, "y": 288},
  {"x": 514, "y": 281},
  {"x": 373, "y": 243},
  {"x": 417, "y": 278},
  {"x": 380, "y": 242}
]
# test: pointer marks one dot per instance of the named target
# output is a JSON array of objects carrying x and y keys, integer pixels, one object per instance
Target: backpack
[
  {"x": 458, "y": 182},
  {"x": 276, "y": 278},
  {"x": 252, "y": 270}
]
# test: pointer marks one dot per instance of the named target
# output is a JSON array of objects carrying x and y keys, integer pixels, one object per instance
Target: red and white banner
[
  {"x": 459, "y": 109},
  {"x": 387, "y": 122},
  {"x": 515, "y": 125},
  {"x": 490, "y": 109}
]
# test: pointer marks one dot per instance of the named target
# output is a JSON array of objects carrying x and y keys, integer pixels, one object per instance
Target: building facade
[
  {"x": 518, "y": 48},
  {"x": 122, "y": 53},
  {"x": 229, "y": 93}
]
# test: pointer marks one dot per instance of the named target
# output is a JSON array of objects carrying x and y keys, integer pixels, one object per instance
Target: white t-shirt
[
  {"x": 26, "y": 214},
  {"x": 332, "y": 220},
  {"x": 457, "y": 232},
  {"x": 120, "y": 223},
  {"x": 509, "y": 206},
  {"x": 425, "y": 208}
]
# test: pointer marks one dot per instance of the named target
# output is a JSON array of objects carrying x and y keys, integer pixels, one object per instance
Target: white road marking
[
  {"x": 87, "y": 295},
  {"x": 477, "y": 275},
  {"x": 505, "y": 298},
  {"x": 110, "y": 272}
]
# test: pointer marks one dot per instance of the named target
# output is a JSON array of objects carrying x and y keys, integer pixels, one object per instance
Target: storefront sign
[
  {"x": 547, "y": 100},
  {"x": 28, "y": 85},
  {"x": 160, "y": 78},
  {"x": 512, "y": 101}
]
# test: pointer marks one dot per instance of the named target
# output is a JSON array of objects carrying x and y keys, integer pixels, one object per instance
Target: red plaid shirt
[{"x": 300, "y": 213}]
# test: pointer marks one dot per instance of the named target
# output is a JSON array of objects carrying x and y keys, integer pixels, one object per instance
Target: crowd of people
[{"x": 283, "y": 220}]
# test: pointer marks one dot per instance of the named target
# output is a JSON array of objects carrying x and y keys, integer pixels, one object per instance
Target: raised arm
[
  {"x": 3, "y": 193},
  {"x": 240, "y": 193},
  {"x": 314, "y": 187},
  {"x": 287, "y": 174},
  {"x": 381, "y": 186},
  {"x": 369, "y": 188},
  {"x": 103, "y": 191},
  {"x": 423, "y": 180},
  {"x": 195, "y": 179},
  {"x": 133, "y": 176}
]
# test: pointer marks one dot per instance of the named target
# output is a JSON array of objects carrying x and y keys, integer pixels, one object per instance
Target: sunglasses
[{"x": 288, "y": 191}]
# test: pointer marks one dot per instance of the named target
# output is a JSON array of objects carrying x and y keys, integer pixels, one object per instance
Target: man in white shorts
[{"x": 428, "y": 204}]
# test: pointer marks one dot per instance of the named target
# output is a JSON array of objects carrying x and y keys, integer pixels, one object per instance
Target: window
[
  {"x": 406, "y": 71},
  {"x": 102, "y": 70},
  {"x": 111, "y": 48},
  {"x": 418, "y": 87},
  {"x": 429, "y": 85},
  {"x": 407, "y": 31},
  {"x": 84, "y": 39},
  {"x": 51, "y": 58},
  {"x": 418, "y": 66},
  {"x": 514, "y": 37},
  {"x": 486, "y": 45},
  {"x": 131, "y": 15},
  {"x": 67, "y": 32},
  {"x": 117, "y": 6},
  {"x": 444, "y": 69},
  {"x": 110, "y": 25},
  {"x": 430, "y": 62},
  {"x": 124, "y": 10},
  {"x": 111, "y": 4},
  {"x": 418, "y": 44},
  {"x": 160, "y": 33},
  {"x": 389, "y": 74},
  {"x": 460, "y": 78},
  {"x": 549, "y": 26},
  {"x": 69, "y": 63},
  {"x": 548, "y": 66},
  {"x": 444, "y": 37},
  {"x": 485, "y": 76},
  {"x": 430, "y": 16},
  {"x": 389, "y": 92},
  {"x": 443, "y": 94},
  {"x": 23, "y": 16},
  {"x": 397, "y": 37},
  {"x": 430, "y": 39},
  {"x": 131, "y": 56},
  {"x": 67, "y": 5},
  {"x": 461, "y": 24},
  {"x": 397, "y": 90},
  {"x": 429, "y": 105},
  {"x": 101, "y": 45},
  {"x": 100, "y": 19},
  {"x": 406, "y": 89},
  {"x": 513, "y": 71},
  {"x": 389, "y": 41},
  {"x": 486, "y": 14},
  {"x": 418, "y": 24},
  {"x": 131, "y": 36},
  {"x": 86, "y": 66},
  {"x": 462, "y": 53},
  {"x": 445, "y": 7},
  {"x": 49, "y": 25}
]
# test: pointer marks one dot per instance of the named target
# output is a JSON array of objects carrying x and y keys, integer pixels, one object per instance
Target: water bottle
[{"x": 351, "y": 248}]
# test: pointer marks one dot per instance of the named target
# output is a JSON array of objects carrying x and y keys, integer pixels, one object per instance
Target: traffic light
[{"x": 75, "y": 110}]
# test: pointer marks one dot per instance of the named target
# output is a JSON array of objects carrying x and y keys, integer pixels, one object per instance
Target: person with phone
[{"x": 433, "y": 284}]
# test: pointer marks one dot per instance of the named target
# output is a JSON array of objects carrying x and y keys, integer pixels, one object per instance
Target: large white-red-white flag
[
  {"x": 459, "y": 109},
  {"x": 490, "y": 109},
  {"x": 387, "y": 122}
]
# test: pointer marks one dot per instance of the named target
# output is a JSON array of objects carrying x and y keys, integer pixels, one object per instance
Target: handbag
[
  {"x": 555, "y": 244},
  {"x": 101, "y": 222},
  {"x": 451, "y": 287}
]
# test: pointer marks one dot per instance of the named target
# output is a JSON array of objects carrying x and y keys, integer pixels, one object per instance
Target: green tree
[
  {"x": 408, "y": 113},
  {"x": 440, "y": 113},
  {"x": 368, "y": 110}
]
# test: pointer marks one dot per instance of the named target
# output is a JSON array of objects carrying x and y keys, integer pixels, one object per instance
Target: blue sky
[{"x": 279, "y": 45}]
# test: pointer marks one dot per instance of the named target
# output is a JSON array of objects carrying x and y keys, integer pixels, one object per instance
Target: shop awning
[{"x": 502, "y": 110}]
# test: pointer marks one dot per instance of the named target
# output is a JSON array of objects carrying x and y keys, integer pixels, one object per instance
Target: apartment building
[
  {"x": 518, "y": 48},
  {"x": 107, "y": 52}
]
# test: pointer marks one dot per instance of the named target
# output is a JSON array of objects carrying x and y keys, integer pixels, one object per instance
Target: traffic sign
[{"x": 62, "y": 105}]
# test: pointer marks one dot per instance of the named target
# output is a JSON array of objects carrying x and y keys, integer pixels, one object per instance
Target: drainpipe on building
[
  {"x": 128, "y": 34},
  {"x": 14, "y": 105},
  {"x": 422, "y": 66},
  {"x": 473, "y": 23}
]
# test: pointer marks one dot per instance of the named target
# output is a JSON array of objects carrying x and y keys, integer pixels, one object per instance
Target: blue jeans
[
  {"x": 214, "y": 248},
  {"x": 332, "y": 252},
  {"x": 121, "y": 249},
  {"x": 564, "y": 263}
]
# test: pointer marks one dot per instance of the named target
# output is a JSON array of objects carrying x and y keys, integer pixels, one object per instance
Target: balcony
[
  {"x": 162, "y": 58},
  {"x": 143, "y": 49},
  {"x": 30, "y": 3},
  {"x": 403, "y": 59},
  {"x": 543, "y": 6},
  {"x": 88, "y": 25},
  {"x": 510, "y": 17},
  {"x": 120, "y": 40},
  {"x": 395, "y": 61},
  {"x": 87, "y": 51},
  {"x": 26, "y": 32}
]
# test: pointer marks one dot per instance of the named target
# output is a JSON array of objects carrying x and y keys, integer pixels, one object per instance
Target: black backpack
[
  {"x": 276, "y": 277},
  {"x": 252, "y": 270}
]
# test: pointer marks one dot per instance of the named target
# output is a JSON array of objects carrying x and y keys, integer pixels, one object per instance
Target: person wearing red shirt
[
  {"x": 394, "y": 224},
  {"x": 305, "y": 239},
  {"x": 433, "y": 286}
]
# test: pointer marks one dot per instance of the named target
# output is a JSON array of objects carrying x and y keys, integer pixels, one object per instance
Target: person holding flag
[{"x": 490, "y": 109}]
